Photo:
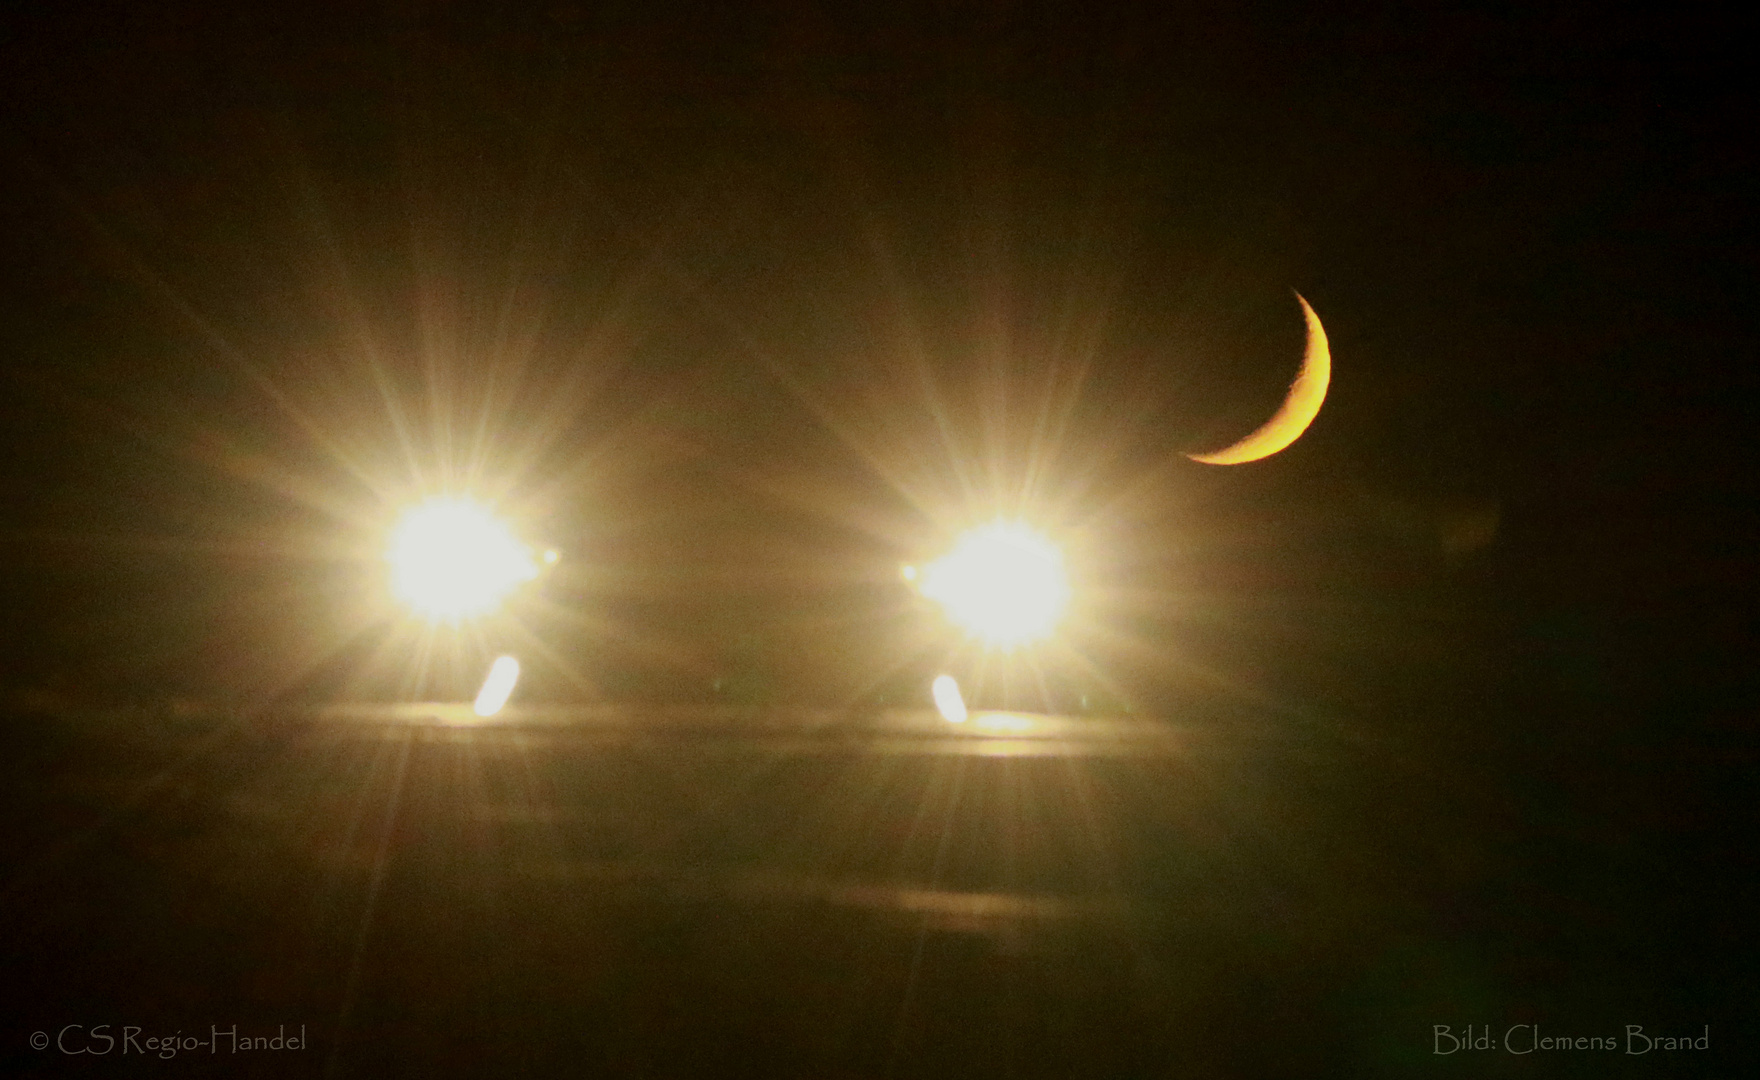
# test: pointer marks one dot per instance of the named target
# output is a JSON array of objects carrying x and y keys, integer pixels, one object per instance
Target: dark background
[{"x": 741, "y": 307}]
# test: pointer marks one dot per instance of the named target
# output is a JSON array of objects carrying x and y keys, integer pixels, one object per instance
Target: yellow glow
[
  {"x": 451, "y": 559},
  {"x": 503, "y": 673},
  {"x": 1299, "y": 409},
  {"x": 947, "y": 699},
  {"x": 1004, "y": 583}
]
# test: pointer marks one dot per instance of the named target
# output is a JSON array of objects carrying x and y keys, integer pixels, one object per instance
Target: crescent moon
[{"x": 1302, "y": 404}]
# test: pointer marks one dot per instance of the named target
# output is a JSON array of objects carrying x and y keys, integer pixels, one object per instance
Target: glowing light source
[
  {"x": 948, "y": 699},
  {"x": 450, "y": 558},
  {"x": 1004, "y": 583},
  {"x": 503, "y": 673}
]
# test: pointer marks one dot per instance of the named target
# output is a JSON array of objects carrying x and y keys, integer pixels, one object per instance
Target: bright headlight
[
  {"x": 1004, "y": 583},
  {"x": 450, "y": 559}
]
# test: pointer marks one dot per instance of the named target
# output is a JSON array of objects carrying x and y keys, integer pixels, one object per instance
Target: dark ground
[{"x": 666, "y": 893}]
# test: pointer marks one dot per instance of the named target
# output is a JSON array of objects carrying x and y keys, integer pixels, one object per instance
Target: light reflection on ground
[{"x": 897, "y": 731}]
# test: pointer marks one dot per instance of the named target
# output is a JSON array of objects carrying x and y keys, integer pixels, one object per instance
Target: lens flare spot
[
  {"x": 948, "y": 699},
  {"x": 451, "y": 559},
  {"x": 1003, "y": 583},
  {"x": 498, "y": 687}
]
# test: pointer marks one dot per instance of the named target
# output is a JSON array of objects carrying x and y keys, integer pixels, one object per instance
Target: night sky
[{"x": 742, "y": 307}]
